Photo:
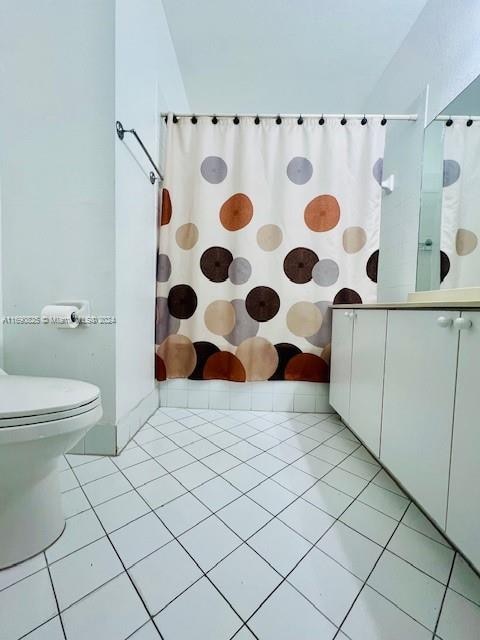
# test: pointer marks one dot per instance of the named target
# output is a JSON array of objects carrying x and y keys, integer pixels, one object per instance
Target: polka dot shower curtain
[
  {"x": 460, "y": 229},
  {"x": 262, "y": 226}
]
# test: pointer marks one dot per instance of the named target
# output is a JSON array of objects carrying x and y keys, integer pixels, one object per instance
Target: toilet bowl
[{"x": 40, "y": 420}]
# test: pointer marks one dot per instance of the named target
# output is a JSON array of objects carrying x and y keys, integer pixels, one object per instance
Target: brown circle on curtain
[
  {"x": 262, "y": 303},
  {"x": 236, "y": 212},
  {"x": 322, "y": 213},
  {"x": 372, "y": 266},
  {"x": 187, "y": 236},
  {"x": 285, "y": 351},
  {"x": 326, "y": 353},
  {"x": 259, "y": 358},
  {"x": 219, "y": 317},
  {"x": 465, "y": 242},
  {"x": 269, "y": 237},
  {"x": 444, "y": 265},
  {"x": 160, "y": 370},
  {"x": 347, "y": 296},
  {"x": 354, "y": 239},
  {"x": 165, "y": 207},
  {"x": 224, "y": 366},
  {"x": 304, "y": 319},
  {"x": 299, "y": 263},
  {"x": 182, "y": 301},
  {"x": 178, "y": 354},
  {"x": 203, "y": 350},
  {"x": 307, "y": 367},
  {"x": 214, "y": 263}
]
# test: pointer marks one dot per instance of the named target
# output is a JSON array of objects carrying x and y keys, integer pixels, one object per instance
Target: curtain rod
[
  {"x": 447, "y": 118},
  {"x": 351, "y": 116}
]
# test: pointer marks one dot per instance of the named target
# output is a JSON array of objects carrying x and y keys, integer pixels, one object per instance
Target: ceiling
[{"x": 272, "y": 56}]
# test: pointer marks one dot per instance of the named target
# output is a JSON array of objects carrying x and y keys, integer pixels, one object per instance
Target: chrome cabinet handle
[
  {"x": 442, "y": 321},
  {"x": 462, "y": 323},
  {"x": 350, "y": 314}
]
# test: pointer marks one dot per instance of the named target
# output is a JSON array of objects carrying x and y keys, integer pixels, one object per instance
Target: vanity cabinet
[
  {"x": 418, "y": 404},
  {"x": 463, "y": 515},
  {"x": 358, "y": 342},
  {"x": 407, "y": 383},
  {"x": 341, "y": 363}
]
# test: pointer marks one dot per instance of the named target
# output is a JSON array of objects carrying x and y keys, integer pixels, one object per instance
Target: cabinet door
[
  {"x": 341, "y": 361},
  {"x": 418, "y": 401},
  {"x": 366, "y": 390},
  {"x": 463, "y": 517}
]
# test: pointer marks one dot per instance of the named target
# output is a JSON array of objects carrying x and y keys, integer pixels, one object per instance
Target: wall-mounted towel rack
[{"x": 121, "y": 131}]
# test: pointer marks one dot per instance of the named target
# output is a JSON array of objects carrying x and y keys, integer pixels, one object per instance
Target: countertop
[{"x": 411, "y": 305}]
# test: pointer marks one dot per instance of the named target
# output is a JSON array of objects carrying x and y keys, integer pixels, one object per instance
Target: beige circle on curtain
[
  {"x": 178, "y": 355},
  {"x": 259, "y": 358},
  {"x": 304, "y": 319},
  {"x": 219, "y": 317},
  {"x": 465, "y": 242},
  {"x": 354, "y": 239},
  {"x": 187, "y": 236},
  {"x": 269, "y": 237}
]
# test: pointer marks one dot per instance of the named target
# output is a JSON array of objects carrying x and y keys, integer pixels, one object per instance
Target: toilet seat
[{"x": 27, "y": 400}]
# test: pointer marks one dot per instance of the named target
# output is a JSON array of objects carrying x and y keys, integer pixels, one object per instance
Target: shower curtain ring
[
  {"x": 384, "y": 121},
  {"x": 322, "y": 120},
  {"x": 469, "y": 121},
  {"x": 343, "y": 121},
  {"x": 364, "y": 120}
]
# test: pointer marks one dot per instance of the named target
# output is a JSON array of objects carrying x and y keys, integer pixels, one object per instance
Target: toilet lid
[{"x": 23, "y": 396}]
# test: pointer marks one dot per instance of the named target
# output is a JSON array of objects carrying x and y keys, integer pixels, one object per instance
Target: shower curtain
[
  {"x": 460, "y": 227},
  {"x": 261, "y": 226}
]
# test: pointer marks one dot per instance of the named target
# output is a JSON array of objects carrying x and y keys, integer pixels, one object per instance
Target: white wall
[
  {"x": 57, "y": 168},
  {"x": 78, "y": 213},
  {"x": 147, "y": 81},
  {"x": 442, "y": 50}
]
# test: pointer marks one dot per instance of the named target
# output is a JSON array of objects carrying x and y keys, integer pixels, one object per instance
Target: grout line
[
  {"x": 368, "y": 577},
  {"x": 55, "y": 595},
  {"x": 437, "y": 622},
  {"x": 121, "y": 562}
]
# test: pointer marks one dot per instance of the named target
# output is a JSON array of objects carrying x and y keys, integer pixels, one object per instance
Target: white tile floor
[{"x": 214, "y": 525}]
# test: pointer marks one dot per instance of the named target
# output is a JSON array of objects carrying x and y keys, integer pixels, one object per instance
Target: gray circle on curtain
[
  {"x": 299, "y": 170},
  {"x": 164, "y": 267},
  {"x": 325, "y": 272},
  {"x": 451, "y": 172},
  {"x": 245, "y": 326},
  {"x": 214, "y": 169},
  {"x": 323, "y": 336},
  {"x": 239, "y": 270},
  {"x": 377, "y": 170}
]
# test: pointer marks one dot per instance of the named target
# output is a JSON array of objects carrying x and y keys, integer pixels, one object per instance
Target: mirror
[{"x": 449, "y": 229}]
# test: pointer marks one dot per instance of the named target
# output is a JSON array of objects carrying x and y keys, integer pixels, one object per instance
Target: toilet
[{"x": 40, "y": 420}]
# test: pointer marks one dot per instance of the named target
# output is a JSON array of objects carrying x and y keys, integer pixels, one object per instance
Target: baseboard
[
  {"x": 128, "y": 426},
  {"x": 276, "y": 395}
]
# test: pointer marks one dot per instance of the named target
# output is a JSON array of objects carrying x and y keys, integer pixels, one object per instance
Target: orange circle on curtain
[
  {"x": 307, "y": 367},
  {"x": 178, "y": 355},
  {"x": 224, "y": 366},
  {"x": 259, "y": 358},
  {"x": 165, "y": 208},
  {"x": 236, "y": 212},
  {"x": 322, "y": 213}
]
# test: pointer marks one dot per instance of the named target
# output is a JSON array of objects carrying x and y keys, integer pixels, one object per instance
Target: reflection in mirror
[{"x": 449, "y": 230}]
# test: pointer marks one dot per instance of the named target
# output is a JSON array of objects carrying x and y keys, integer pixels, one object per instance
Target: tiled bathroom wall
[{"x": 258, "y": 396}]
